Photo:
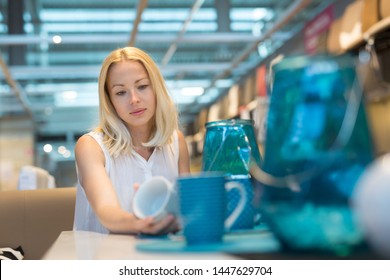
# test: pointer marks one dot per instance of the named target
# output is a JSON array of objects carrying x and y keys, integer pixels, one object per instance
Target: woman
[{"x": 137, "y": 138}]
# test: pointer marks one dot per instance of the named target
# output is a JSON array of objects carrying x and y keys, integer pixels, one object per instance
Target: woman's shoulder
[
  {"x": 89, "y": 140},
  {"x": 180, "y": 135},
  {"x": 179, "y": 140},
  {"x": 94, "y": 134},
  {"x": 89, "y": 136},
  {"x": 183, "y": 159}
]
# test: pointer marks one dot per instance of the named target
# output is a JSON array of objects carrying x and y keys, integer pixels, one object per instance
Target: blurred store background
[{"x": 216, "y": 56}]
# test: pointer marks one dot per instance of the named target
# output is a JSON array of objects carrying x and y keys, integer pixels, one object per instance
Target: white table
[{"x": 83, "y": 245}]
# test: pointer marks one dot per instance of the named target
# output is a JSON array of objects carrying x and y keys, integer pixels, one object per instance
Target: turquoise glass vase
[
  {"x": 230, "y": 146},
  {"x": 317, "y": 145}
]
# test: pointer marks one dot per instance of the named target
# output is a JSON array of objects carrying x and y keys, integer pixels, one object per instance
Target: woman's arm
[
  {"x": 184, "y": 157},
  {"x": 102, "y": 196}
]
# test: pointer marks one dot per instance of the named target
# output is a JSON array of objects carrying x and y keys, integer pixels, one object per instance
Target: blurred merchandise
[
  {"x": 374, "y": 69},
  {"x": 32, "y": 177},
  {"x": 317, "y": 145},
  {"x": 372, "y": 204},
  {"x": 374, "y": 73}
]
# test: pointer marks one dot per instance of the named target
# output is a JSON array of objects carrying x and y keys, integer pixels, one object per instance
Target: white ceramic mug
[{"x": 156, "y": 197}]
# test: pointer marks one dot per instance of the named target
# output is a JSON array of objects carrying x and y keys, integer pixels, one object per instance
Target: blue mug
[
  {"x": 203, "y": 206},
  {"x": 246, "y": 219}
]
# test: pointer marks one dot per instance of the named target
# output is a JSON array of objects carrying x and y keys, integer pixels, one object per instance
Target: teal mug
[
  {"x": 247, "y": 218},
  {"x": 203, "y": 205}
]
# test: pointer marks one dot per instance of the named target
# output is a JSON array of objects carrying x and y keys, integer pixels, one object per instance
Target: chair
[{"x": 33, "y": 219}]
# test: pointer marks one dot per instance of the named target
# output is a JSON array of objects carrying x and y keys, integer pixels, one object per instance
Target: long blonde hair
[{"x": 115, "y": 134}]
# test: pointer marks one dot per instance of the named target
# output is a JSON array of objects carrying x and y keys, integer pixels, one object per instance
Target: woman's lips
[{"x": 138, "y": 112}]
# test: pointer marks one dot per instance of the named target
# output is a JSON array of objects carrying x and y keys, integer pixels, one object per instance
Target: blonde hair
[{"x": 116, "y": 137}]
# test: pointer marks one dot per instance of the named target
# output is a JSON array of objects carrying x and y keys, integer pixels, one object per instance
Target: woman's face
[{"x": 131, "y": 94}]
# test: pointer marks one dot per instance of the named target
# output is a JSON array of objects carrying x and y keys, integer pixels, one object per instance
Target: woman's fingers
[
  {"x": 136, "y": 187},
  {"x": 171, "y": 226},
  {"x": 164, "y": 226}
]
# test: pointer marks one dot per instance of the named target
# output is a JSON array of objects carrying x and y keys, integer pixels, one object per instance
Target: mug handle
[{"x": 240, "y": 206}]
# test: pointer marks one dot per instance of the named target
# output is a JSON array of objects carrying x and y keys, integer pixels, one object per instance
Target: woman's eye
[
  {"x": 120, "y": 92},
  {"x": 141, "y": 87}
]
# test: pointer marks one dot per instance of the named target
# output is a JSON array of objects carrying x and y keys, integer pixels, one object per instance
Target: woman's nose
[{"x": 134, "y": 98}]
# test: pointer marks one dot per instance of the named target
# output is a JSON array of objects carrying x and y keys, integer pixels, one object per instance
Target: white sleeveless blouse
[{"x": 123, "y": 172}]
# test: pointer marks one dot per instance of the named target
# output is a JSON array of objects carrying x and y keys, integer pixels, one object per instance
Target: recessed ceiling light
[{"x": 193, "y": 91}]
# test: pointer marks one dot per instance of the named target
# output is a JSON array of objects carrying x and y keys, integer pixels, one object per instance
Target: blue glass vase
[
  {"x": 229, "y": 146},
  {"x": 317, "y": 145}
]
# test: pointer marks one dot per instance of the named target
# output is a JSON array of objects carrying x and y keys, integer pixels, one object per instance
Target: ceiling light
[
  {"x": 67, "y": 154},
  {"x": 47, "y": 148},
  {"x": 262, "y": 14},
  {"x": 192, "y": 91},
  {"x": 69, "y": 95},
  {"x": 57, "y": 39},
  {"x": 61, "y": 150}
]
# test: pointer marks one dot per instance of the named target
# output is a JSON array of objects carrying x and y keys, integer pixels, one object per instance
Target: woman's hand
[{"x": 150, "y": 226}]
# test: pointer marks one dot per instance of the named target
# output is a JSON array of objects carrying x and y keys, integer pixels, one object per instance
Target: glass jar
[{"x": 230, "y": 146}]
